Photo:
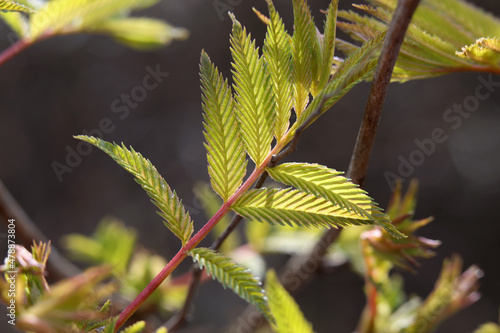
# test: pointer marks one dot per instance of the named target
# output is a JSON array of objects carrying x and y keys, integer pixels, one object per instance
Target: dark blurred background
[{"x": 65, "y": 85}]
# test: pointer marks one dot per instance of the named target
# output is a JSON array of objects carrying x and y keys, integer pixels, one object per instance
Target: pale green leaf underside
[
  {"x": 171, "y": 209},
  {"x": 277, "y": 53},
  {"x": 324, "y": 182},
  {"x": 60, "y": 16},
  {"x": 225, "y": 153},
  {"x": 289, "y": 318},
  {"x": 11, "y": 6},
  {"x": 233, "y": 276},
  {"x": 328, "y": 43},
  {"x": 304, "y": 52},
  {"x": 254, "y": 96}
]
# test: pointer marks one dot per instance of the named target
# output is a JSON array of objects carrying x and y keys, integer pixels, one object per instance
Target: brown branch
[
  {"x": 293, "y": 277},
  {"x": 27, "y": 232},
  {"x": 390, "y": 50}
]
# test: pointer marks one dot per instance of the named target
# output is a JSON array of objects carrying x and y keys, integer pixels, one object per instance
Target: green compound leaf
[
  {"x": 171, "y": 209},
  {"x": 11, "y": 6},
  {"x": 277, "y": 53},
  {"x": 254, "y": 95},
  {"x": 289, "y": 318},
  {"x": 233, "y": 276},
  {"x": 60, "y": 16},
  {"x": 225, "y": 153},
  {"x": 294, "y": 207},
  {"x": 140, "y": 33}
]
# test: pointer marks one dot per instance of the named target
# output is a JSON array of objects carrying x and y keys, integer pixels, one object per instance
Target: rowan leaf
[
  {"x": 294, "y": 207},
  {"x": 305, "y": 49},
  {"x": 171, "y": 209},
  {"x": 254, "y": 94},
  {"x": 233, "y": 276},
  {"x": 277, "y": 54},
  {"x": 225, "y": 153},
  {"x": 324, "y": 182},
  {"x": 289, "y": 318}
]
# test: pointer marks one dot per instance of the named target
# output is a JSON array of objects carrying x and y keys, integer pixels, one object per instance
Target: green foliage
[
  {"x": 438, "y": 30},
  {"x": 234, "y": 276},
  {"x": 289, "y": 318},
  {"x": 106, "y": 16},
  {"x": 254, "y": 97},
  {"x": 112, "y": 244},
  {"x": 171, "y": 209},
  {"x": 226, "y": 157}
]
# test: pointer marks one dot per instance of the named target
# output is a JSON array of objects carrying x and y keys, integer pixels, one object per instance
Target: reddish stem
[{"x": 14, "y": 49}]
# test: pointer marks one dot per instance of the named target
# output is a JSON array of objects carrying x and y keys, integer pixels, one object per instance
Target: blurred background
[{"x": 67, "y": 85}]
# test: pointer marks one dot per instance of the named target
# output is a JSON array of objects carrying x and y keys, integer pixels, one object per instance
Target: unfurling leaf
[
  {"x": 289, "y": 318},
  {"x": 234, "y": 276},
  {"x": 225, "y": 154},
  {"x": 171, "y": 209},
  {"x": 254, "y": 95}
]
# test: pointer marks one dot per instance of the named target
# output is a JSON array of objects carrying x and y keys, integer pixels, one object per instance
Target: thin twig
[
  {"x": 58, "y": 267},
  {"x": 364, "y": 142}
]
